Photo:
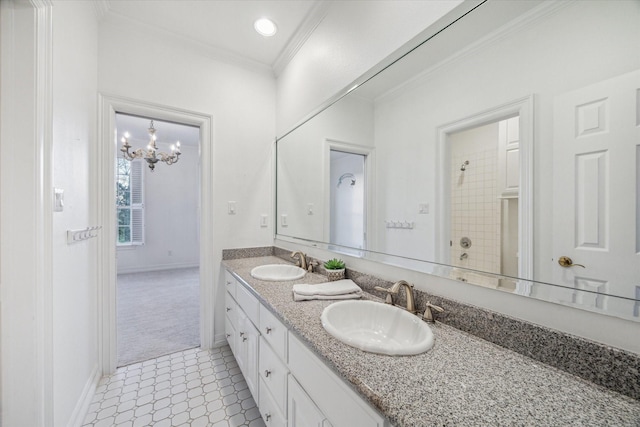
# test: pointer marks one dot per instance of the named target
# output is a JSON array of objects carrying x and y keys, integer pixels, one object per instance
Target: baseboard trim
[
  {"x": 80, "y": 411},
  {"x": 159, "y": 267},
  {"x": 219, "y": 340}
]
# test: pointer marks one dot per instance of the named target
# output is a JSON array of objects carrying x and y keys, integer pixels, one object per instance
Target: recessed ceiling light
[{"x": 265, "y": 27}]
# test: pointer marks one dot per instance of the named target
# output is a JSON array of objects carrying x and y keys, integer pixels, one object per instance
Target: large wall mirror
[{"x": 502, "y": 151}]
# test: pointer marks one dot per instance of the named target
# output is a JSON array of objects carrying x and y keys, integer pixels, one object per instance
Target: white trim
[
  {"x": 157, "y": 267},
  {"x": 27, "y": 116},
  {"x": 220, "y": 340},
  {"x": 300, "y": 37},
  {"x": 88, "y": 391},
  {"x": 524, "y": 107},
  {"x": 44, "y": 202},
  {"x": 369, "y": 171},
  {"x": 103, "y": 185}
]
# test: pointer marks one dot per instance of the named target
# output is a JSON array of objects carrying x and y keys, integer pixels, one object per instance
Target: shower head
[
  {"x": 345, "y": 176},
  {"x": 464, "y": 166}
]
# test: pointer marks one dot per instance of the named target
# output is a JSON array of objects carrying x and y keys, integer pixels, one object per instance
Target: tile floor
[{"x": 194, "y": 388}]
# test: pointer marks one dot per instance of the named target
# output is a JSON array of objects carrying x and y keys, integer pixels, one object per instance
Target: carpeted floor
[{"x": 158, "y": 313}]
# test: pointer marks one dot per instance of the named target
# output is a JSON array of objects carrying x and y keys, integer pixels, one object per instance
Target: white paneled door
[{"x": 596, "y": 137}]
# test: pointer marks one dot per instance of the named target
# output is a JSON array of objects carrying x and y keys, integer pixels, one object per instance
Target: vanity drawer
[
  {"x": 274, "y": 332},
  {"x": 271, "y": 415},
  {"x": 231, "y": 310},
  {"x": 248, "y": 303},
  {"x": 274, "y": 375},
  {"x": 230, "y": 333},
  {"x": 230, "y": 283}
]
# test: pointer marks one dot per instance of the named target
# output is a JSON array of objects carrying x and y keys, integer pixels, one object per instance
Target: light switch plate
[
  {"x": 283, "y": 220},
  {"x": 58, "y": 199},
  {"x": 231, "y": 207},
  {"x": 423, "y": 208},
  {"x": 263, "y": 220}
]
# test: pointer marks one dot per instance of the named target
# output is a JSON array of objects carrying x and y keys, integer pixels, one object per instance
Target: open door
[{"x": 596, "y": 138}]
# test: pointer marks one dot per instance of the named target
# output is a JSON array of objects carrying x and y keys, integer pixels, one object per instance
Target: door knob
[{"x": 567, "y": 262}]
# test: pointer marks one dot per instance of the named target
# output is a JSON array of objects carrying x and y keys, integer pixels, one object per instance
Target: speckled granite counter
[{"x": 463, "y": 380}]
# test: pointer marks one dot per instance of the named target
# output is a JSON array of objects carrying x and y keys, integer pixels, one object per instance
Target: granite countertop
[{"x": 462, "y": 380}]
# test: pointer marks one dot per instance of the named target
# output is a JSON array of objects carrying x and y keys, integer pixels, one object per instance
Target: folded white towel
[
  {"x": 338, "y": 287},
  {"x": 353, "y": 295}
]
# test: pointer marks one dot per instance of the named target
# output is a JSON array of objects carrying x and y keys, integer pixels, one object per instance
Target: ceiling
[{"x": 226, "y": 26}]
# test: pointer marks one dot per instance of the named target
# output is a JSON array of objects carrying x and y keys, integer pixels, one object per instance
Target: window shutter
[
  {"x": 136, "y": 176},
  {"x": 137, "y": 202},
  {"x": 137, "y": 226}
]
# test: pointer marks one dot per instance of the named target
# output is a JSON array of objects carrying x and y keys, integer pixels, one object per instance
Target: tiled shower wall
[{"x": 475, "y": 207}]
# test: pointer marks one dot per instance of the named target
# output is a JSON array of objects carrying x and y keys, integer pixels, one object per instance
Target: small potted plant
[{"x": 335, "y": 269}]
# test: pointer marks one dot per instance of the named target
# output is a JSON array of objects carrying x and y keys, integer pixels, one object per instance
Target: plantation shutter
[{"x": 137, "y": 202}]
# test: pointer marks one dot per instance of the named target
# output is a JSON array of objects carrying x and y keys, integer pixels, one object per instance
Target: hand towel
[{"x": 338, "y": 287}]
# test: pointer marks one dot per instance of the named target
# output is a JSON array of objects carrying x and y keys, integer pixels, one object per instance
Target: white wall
[
  {"x": 75, "y": 357},
  {"x": 353, "y": 37},
  {"x": 242, "y": 104},
  {"x": 49, "y": 324},
  {"x": 171, "y": 216}
]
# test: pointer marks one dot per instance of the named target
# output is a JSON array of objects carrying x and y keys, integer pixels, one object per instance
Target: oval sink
[
  {"x": 377, "y": 328},
  {"x": 278, "y": 272}
]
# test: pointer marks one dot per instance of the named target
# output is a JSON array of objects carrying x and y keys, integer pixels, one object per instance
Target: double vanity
[{"x": 300, "y": 374}]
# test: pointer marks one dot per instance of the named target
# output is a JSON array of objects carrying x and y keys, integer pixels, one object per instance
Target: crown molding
[
  {"x": 167, "y": 36},
  {"x": 315, "y": 16}
]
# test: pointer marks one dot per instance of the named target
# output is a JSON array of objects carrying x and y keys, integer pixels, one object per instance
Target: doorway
[
  {"x": 347, "y": 194},
  {"x": 157, "y": 248},
  {"x": 484, "y": 189},
  {"x": 511, "y": 125},
  {"x": 104, "y": 189}
]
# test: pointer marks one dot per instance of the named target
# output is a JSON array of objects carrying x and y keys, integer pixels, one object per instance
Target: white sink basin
[
  {"x": 377, "y": 328},
  {"x": 278, "y": 272}
]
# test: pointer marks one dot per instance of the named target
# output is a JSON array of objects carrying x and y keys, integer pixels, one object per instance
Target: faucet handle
[
  {"x": 428, "y": 312},
  {"x": 312, "y": 264},
  {"x": 388, "y": 300}
]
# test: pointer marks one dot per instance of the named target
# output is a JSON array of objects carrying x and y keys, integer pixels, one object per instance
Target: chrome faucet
[
  {"x": 302, "y": 259},
  {"x": 395, "y": 288}
]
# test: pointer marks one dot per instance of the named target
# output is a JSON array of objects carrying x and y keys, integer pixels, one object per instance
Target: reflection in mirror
[
  {"x": 483, "y": 195},
  {"x": 506, "y": 152},
  {"x": 346, "y": 183}
]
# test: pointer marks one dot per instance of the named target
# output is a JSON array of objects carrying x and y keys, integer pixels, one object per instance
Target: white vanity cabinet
[
  {"x": 241, "y": 333},
  {"x": 290, "y": 384}
]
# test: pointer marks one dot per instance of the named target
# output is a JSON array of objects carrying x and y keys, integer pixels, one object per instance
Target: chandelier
[{"x": 151, "y": 154}]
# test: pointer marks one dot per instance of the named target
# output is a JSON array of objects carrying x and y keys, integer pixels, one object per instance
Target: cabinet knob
[
  {"x": 228, "y": 308},
  {"x": 268, "y": 330},
  {"x": 228, "y": 335},
  {"x": 241, "y": 334},
  {"x": 267, "y": 416},
  {"x": 244, "y": 339},
  {"x": 267, "y": 373}
]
